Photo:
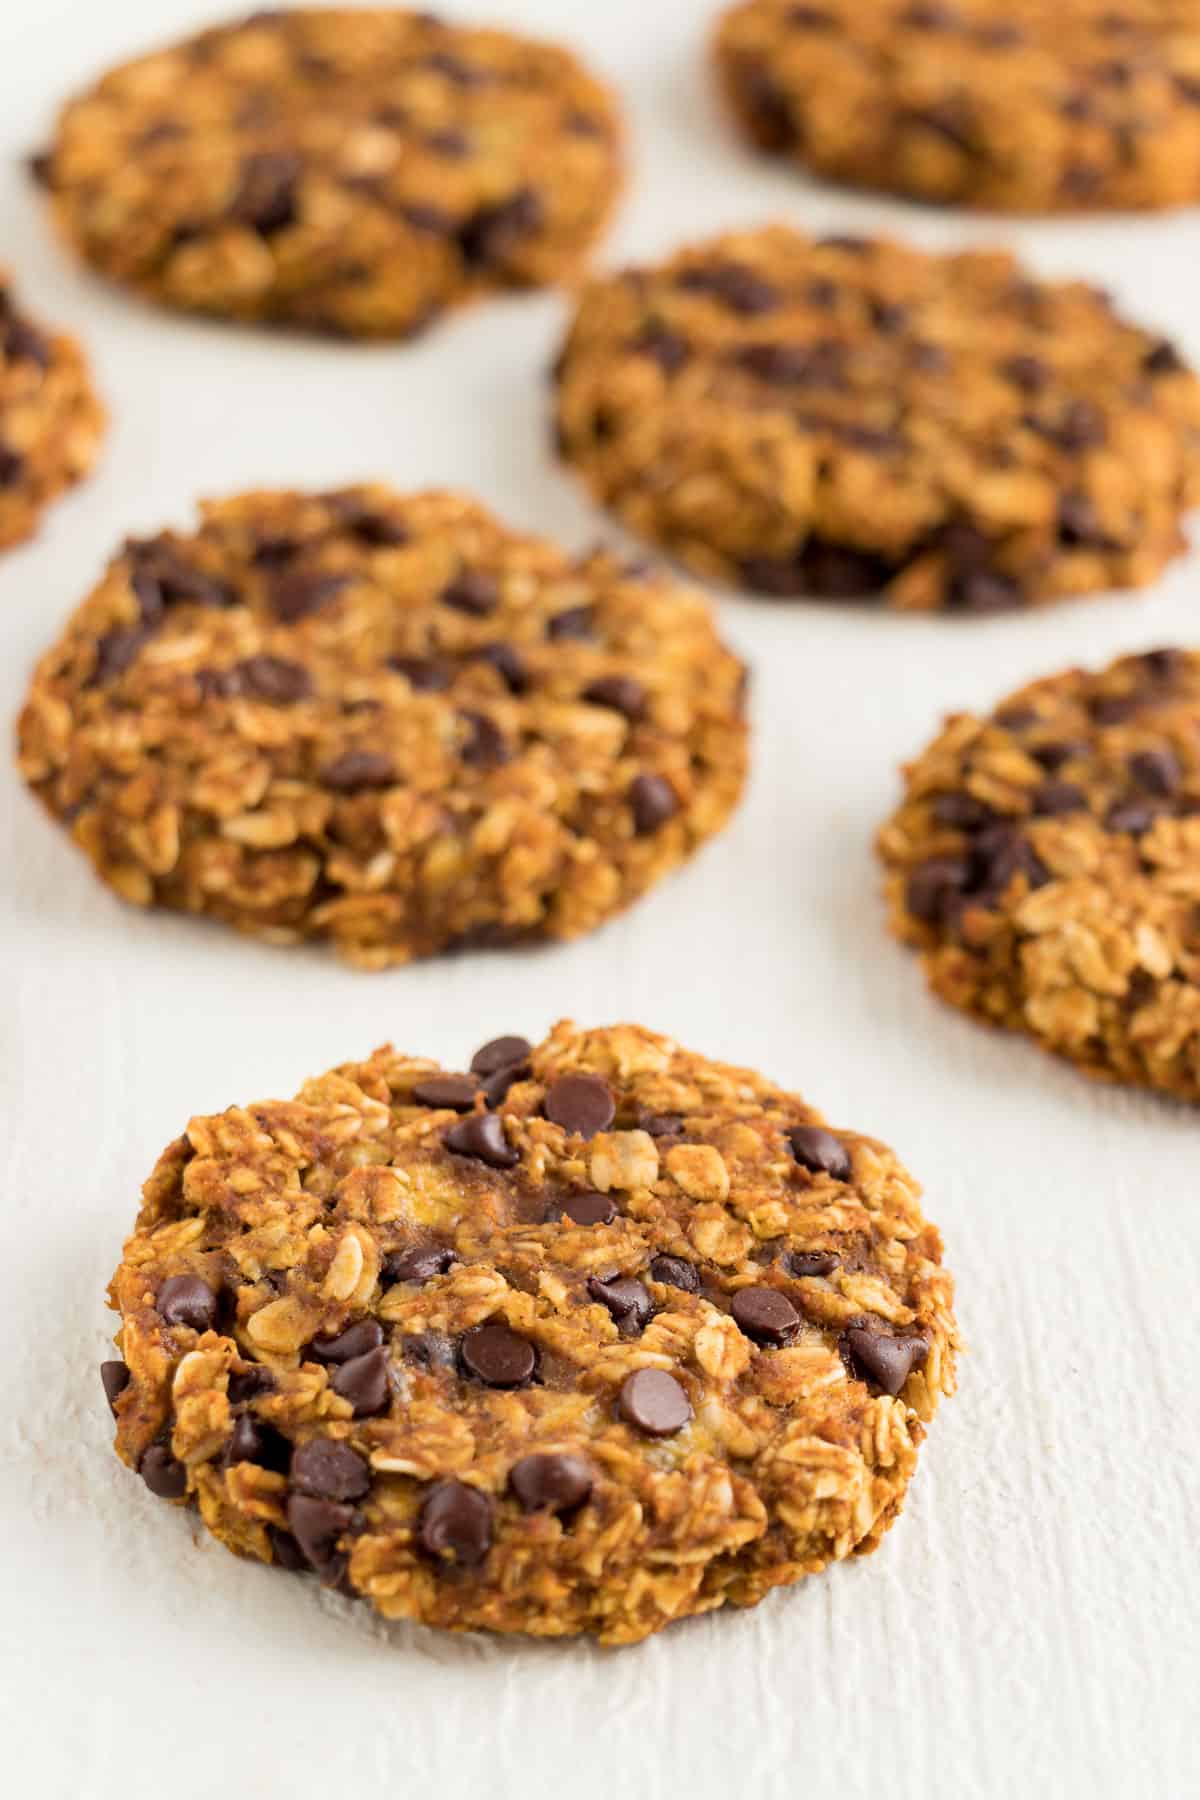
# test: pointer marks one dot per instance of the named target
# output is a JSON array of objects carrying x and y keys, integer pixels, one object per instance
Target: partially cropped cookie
[
  {"x": 1013, "y": 105},
  {"x": 51, "y": 421},
  {"x": 342, "y": 170},
  {"x": 852, "y": 418},
  {"x": 592, "y": 1337},
  {"x": 1046, "y": 863},
  {"x": 386, "y": 721}
]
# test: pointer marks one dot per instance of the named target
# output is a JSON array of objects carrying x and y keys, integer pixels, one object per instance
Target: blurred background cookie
[{"x": 51, "y": 421}]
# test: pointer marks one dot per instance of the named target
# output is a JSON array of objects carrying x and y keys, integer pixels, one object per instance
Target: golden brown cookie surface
[
  {"x": 599, "y": 1335},
  {"x": 1046, "y": 863},
  {"x": 846, "y": 417},
  {"x": 1013, "y": 105},
  {"x": 51, "y": 421},
  {"x": 386, "y": 721},
  {"x": 345, "y": 171}
]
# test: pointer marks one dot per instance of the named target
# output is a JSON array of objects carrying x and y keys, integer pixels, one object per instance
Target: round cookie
[
  {"x": 1013, "y": 105},
  {"x": 1046, "y": 863},
  {"x": 346, "y": 171},
  {"x": 386, "y": 721},
  {"x": 844, "y": 417},
  {"x": 597, "y": 1336},
  {"x": 51, "y": 421}
]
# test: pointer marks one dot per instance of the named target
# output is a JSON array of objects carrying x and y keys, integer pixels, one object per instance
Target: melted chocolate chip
[
  {"x": 356, "y": 1340},
  {"x": 498, "y": 1357},
  {"x": 419, "y": 1264},
  {"x": 551, "y": 1482},
  {"x": 455, "y": 1524},
  {"x": 186, "y": 1300},
  {"x": 331, "y": 1470},
  {"x": 934, "y": 886},
  {"x": 117, "y": 650},
  {"x": 881, "y": 1359},
  {"x": 819, "y": 1151},
  {"x": 299, "y": 593},
  {"x": 581, "y": 1104},
  {"x": 428, "y": 1350},
  {"x": 626, "y": 1298},
  {"x": 674, "y": 1271},
  {"x": 804, "y": 1263},
  {"x": 654, "y": 1403}
]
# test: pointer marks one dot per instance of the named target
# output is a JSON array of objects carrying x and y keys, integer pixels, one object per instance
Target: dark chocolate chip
[
  {"x": 356, "y": 1340},
  {"x": 1114, "y": 709},
  {"x": 590, "y": 1209},
  {"x": 1052, "y": 756},
  {"x": 1053, "y": 798},
  {"x": 622, "y": 693},
  {"x": 1161, "y": 665},
  {"x": 934, "y": 886},
  {"x": 274, "y": 679},
  {"x": 983, "y": 591},
  {"x": 331, "y": 1470},
  {"x": 819, "y": 1151},
  {"x": 627, "y": 1299},
  {"x": 299, "y": 593},
  {"x": 451, "y": 143},
  {"x": 1079, "y": 523},
  {"x": 428, "y": 1350},
  {"x": 997, "y": 855},
  {"x": 267, "y": 191},
  {"x": 254, "y": 1441},
  {"x": 884, "y": 1360},
  {"x": 1163, "y": 359},
  {"x": 364, "y": 1382},
  {"x": 115, "y": 1378},
  {"x": 432, "y": 220},
  {"x": 486, "y": 746},
  {"x": 316, "y": 1526},
  {"x": 669, "y": 349},
  {"x": 551, "y": 1482},
  {"x": 41, "y": 167},
  {"x": 456, "y": 1524},
  {"x": 765, "y": 1315},
  {"x": 186, "y": 1300},
  {"x": 581, "y": 1104},
  {"x": 492, "y": 234},
  {"x": 12, "y": 467},
  {"x": 654, "y": 802},
  {"x": 500, "y": 1053},
  {"x": 497, "y": 1085},
  {"x": 117, "y": 650},
  {"x": 420, "y": 1264},
  {"x": 23, "y": 343},
  {"x": 357, "y": 770},
  {"x": 286, "y": 1551},
  {"x": 1029, "y": 373},
  {"x": 795, "y": 365},
  {"x": 654, "y": 1403},
  {"x": 1132, "y": 816},
  {"x": 660, "y": 1125},
  {"x": 247, "y": 1384},
  {"x": 1156, "y": 772},
  {"x": 162, "y": 1474},
  {"x": 472, "y": 591},
  {"x": 674, "y": 1271},
  {"x": 810, "y": 18},
  {"x": 961, "y": 812},
  {"x": 1082, "y": 426},
  {"x": 508, "y": 663},
  {"x": 802, "y": 1263},
  {"x": 1017, "y": 718},
  {"x": 577, "y": 624},
  {"x": 498, "y": 1357},
  {"x": 424, "y": 675},
  {"x": 457, "y": 1092},
  {"x": 735, "y": 286}
]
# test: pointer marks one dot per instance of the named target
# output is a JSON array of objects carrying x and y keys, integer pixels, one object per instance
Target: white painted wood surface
[{"x": 1029, "y": 1628}]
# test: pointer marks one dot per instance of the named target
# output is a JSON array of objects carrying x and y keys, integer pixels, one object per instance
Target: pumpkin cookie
[{"x": 593, "y": 1337}]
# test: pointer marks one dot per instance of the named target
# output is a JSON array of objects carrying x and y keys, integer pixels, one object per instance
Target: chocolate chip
[
  {"x": 186, "y": 1300},
  {"x": 802, "y": 1263},
  {"x": 483, "y": 1136},
  {"x": 247, "y": 1384},
  {"x": 162, "y": 1474},
  {"x": 161, "y": 576},
  {"x": 1081, "y": 427},
  {"x": 765, "y": 1315},
  {"x": 1157, "y": 772},
  {"x": 428, "y": 1350},
  {"x": 424, "y": 676},
  {"x": 1114, "y": 709},
  {"x": 472, "y": 591},
  {"x": 654, "y": 802},
  {"x": 500, "y": 1053},
  {"x": 498, "y": 1357},
  {"x": 451, "y": 143},
  {"x": 1029, "y": 373},
  {"x": 997, "y": 855},
  {"x": 23, "y": 343},
  {"x": 735, "y": 286},
  {"x": 551, "y": 1482},
  {"x": 253, "y": 1441},
  {"x": 497, "y": 1085},
  {"x": 267, "y": 191},
  {"x": 627, "y": 1299},
  {"x": 317, "y": 1526},
  {"x": 486, "y": 746},
  {"x": 581, "y": 1104},
  {"x": 669, "y": 349},
  {"x": 117, "y": 650},
  {"x": 1053, "y": 755},
  {"x": 961, "y": 812},
  {"x": 331, "y": 1470},
  {"x": 1163, "y": 359},
  {"x": 363, "y": 1381},
  {"x": 286, "y": 1551},
  {"x": 1161, "y": 665},
  {"x": 41, "y": 168},
  {"x": 114, "y": 1378},
  {"x": 1017, "y": 718},
  {"x": 508, "y": 663},
  {"x": 884, "y": 1360},
  {"x": 620, "y": 692},
  {"x": 1079, "y": 523},
  {"x": 356, "y": 1340},
  {"x": 420, "y": 1264},
  {"x": 357, "y": 770},
  {"x": 819, "y": 1151},
  {"x": 654, "y": 1403},
  {"x": 590, "y": 1209},
  {"x": 795, "y": 365},
  {"x": 274, "y": 679},
  {"x": 933, "y": 887},
  {"x": 577, "y": 624},
  {"x": 455, "y": 1524},
  {"x": 660, "y": 1125},
  {"x": 1053, "y": 798},
  {"x": 492, "y": 234},
  {"x": 12, "y": 467},
  {"x": 462, "y": 74},
  {"x": 433, "y": 220},
  {"x": 673, "y": 1271},
  {"x": 300, "y": 593},
  {"x": 810, "y": 18},
  {"x": 823, "y": 571},
  {"x": 457, "y": 1092}
]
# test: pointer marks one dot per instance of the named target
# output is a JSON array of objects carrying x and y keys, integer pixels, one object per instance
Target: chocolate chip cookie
[
  {"x": 1046, "y": 863},
  {"x": 346, "y": 171},
  {"x": 843, "y": 417},
  {"x": 386, "y": 721},
  {"x": 51, "y": 421},
  {"x": 586, "y": 1337},
  {"x": 1016, "y": 105}
]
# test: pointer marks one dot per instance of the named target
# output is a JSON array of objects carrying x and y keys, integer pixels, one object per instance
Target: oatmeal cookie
[
  {"x": 1046, "y": 863},
  {"x": 595, "y": 1336},
  {"x": 346, "y": 171},
  {"x": 844, "y": 417},
  {"x": 1016, "y": 105},
  {"x": 387, "y": 721},
  {"x": 51, "y": 421}
]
